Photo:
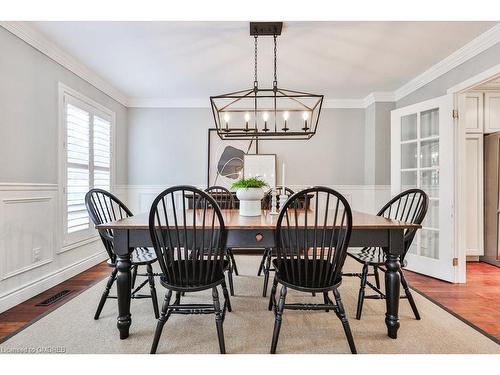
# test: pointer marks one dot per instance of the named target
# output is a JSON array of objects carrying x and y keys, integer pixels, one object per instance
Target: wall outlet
[{"x": 37, "y": 254}]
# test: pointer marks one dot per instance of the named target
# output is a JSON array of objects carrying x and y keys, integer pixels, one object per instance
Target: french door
[{"x": 422, "y": 156}]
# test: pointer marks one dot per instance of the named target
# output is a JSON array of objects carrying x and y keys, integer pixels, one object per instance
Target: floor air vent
[{"x": 56, "y": 297}]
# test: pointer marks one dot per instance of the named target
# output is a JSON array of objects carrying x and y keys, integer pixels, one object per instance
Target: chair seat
[
  {"x": 202, "y": 275},
  {"x": 371, "y": 255},
  {"x": 139, "y": 257},
  {"x": 292, "y": 272}
]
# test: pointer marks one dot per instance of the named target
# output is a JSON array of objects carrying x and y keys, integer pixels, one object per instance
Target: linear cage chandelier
[{"x": 270, "y": 113}]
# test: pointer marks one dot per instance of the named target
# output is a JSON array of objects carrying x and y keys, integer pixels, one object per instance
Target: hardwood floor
[
  {"x": 477, "y": 301},
  {"x": 26, "y": 313}
]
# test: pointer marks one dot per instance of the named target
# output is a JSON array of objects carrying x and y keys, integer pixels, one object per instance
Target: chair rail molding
[{"x": 31, "y": 255}]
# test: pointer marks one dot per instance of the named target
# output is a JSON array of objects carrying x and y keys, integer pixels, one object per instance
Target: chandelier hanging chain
[
  {"x": 275, "y": 82},
  {"x": 255, "y": 82}
]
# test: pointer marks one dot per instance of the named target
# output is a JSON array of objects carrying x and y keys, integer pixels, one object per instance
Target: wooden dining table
[{"x": 259, "y": 232}]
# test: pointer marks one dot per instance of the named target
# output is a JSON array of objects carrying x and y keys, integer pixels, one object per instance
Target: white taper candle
[{"x": 283, "y": 176}]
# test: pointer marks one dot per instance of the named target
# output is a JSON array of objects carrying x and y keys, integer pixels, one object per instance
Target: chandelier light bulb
[
  {"x": 286, "y": 115},
  {"x": 247, "y": 117},
  {"x": 305, "y": 115},
  {"x": 226, "y": 117},
  {"x": 265, "y": 116}
]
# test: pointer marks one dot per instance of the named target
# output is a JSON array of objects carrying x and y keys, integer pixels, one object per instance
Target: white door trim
[{"x": 459, "y": 170}]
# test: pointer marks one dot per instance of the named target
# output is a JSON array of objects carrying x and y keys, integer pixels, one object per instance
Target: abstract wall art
[{"x": 226, "y": 159}]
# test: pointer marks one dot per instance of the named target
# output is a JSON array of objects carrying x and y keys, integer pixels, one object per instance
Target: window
[{"x": 87, "y": 136}]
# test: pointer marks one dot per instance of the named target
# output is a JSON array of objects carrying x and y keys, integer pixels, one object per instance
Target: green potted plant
[{"x": 250, "y": 193}]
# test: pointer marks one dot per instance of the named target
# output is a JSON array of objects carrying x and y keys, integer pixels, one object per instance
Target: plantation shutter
[
  {"x": 78, "y": 167},
  {"x": 88, "y": 163},
  {"x": 102, "y": 153}
]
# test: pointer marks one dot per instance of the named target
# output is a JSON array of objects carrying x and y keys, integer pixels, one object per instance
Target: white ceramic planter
[{"x": 250, "y": 201}]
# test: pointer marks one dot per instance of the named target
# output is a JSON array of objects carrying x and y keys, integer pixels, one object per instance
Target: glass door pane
[
  {"x": 429, "y": 243},
  {"x": 409, "y": 155},
  {"x": 429, "y": 153},
  {"x": 429, "y": 182},
  {"x": 409, "y": 127},
  {"x": 429, "y": 123}
]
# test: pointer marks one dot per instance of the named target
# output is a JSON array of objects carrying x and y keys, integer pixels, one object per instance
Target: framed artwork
[
  {"x": 263, "y": 165},
  {"x": 226, "y": 159}
]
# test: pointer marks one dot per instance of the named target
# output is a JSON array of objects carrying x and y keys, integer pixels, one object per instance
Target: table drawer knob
[{"x": 259, "y": 237}]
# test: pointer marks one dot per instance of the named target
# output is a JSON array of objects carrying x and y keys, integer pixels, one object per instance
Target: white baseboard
[
  {"x": 24, "y": 292},
  {"x": 32, "y": 257}
]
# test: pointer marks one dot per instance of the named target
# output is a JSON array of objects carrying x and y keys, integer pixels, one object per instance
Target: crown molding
[
  {"x": 42, "y": 44},
  {"x": 484, "y": 41},
  {"x": 343, "y": 103},
  {"x": 204, "y": 103},
  {"x": 38, "y": 41},
  {"x": 169, "y": 102},
  {"x": 378, "y": 96}
]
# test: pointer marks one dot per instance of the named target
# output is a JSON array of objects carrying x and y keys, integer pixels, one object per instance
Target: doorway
[{"x": 479, "y": 117}]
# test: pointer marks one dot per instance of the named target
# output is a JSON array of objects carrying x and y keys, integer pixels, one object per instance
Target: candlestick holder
[
  {"x": 273, "y": 202},
  {"x": 282, "y": 200}
]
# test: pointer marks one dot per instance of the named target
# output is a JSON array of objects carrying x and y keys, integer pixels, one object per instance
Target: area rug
[{"x": 248, "y": 329}]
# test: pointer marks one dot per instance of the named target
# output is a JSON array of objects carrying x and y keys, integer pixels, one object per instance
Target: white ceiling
[{"x": 193, "y": 60}]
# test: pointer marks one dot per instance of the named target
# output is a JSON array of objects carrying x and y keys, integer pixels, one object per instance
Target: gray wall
[
  {"x": 168, "y": 145},
  {"x": 175, "y": 139},
  {"x": 29, "y": 114},
  {"x": 378, "y": 143},
  {"x": 438, "y": 87}
]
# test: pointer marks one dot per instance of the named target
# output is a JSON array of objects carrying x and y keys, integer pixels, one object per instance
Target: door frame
[{"x": 460, "y": 170}]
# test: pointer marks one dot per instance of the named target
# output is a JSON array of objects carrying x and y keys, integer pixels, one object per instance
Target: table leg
[
  {"x": 123, "y": 282},
  {"x": 392, "y": 282}
]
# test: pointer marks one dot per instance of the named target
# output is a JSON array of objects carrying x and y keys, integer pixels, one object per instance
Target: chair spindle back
[
  {"x": 190, "y": 244},
  {"x": 409, "y": 206},
  {"x": 313, "y": 258},
  {"x": 103, "y": 207}
]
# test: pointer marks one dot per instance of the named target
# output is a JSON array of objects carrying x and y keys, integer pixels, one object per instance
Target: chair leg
[
  {"x": 361, "y": 295},
  {"x": 406, "y": 287},
  {"x": 218, "y": 320},
  {"x": 278, "y": 319},
  {"x": 272, "y": 297},
  {"x": 152, "y": 288},
  {"x": 134, "y": 275},
  {"x": 226, "y": 296},
  {"x": 233, "y": 261},
  {"x": 161, "y": 321},
  {"x": 230, "y": 279},
  {"x": 377, "y": 277},
  {"x": 262, "y": 262},
  {"x": 267, "y": 267},
  {"x": 105, "y": 294},
  {"x": 326, "y": 299},
  {"x": 345, "y": 323}
]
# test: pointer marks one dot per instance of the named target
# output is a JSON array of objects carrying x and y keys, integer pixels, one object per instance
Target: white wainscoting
[
  {"x": 366, "y": 198},
  {"x": 31, "y": 260}
]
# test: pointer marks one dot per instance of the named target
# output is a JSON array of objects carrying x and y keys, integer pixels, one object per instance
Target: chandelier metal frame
[{"x": 266, "y": 104}]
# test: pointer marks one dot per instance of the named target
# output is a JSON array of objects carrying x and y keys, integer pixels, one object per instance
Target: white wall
[{"x": 29, "y": 192}]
